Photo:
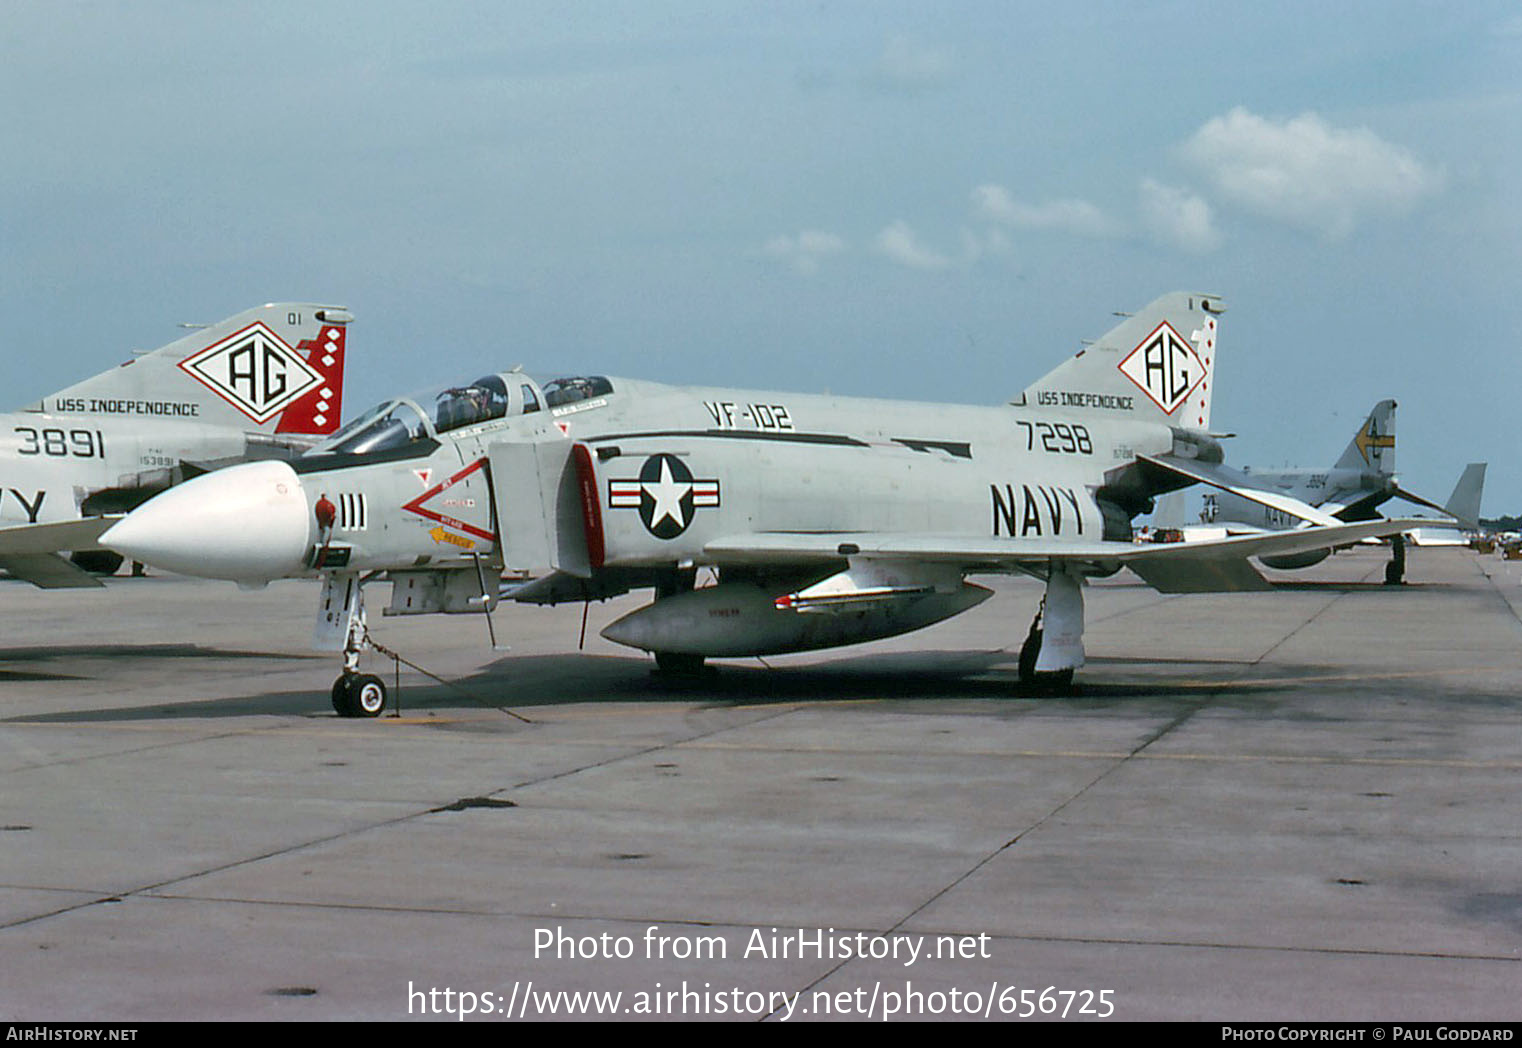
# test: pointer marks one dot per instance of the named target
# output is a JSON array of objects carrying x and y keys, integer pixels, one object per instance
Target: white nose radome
[{"x": 248, "y": 523}]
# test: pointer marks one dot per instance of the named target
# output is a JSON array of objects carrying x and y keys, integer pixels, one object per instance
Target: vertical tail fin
[
  {"x": 1157, "y": 365},
  {"x": 1464, "y": 503},
  {"x": 254, "y": 371},
  {"x": 319, "y": 413},
  {"x": 1372, "y": 448}
]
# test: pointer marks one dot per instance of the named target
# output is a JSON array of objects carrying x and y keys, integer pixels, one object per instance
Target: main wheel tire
[
  {"x": 97, "y": 561},
  {"x": 341, "y": 704},
  {"x": 1028, "y": 653},
  {"x": 1053, "y": 682},
  {"x": 679, "y": 664},
  {"x": 1048, "y": 682}
]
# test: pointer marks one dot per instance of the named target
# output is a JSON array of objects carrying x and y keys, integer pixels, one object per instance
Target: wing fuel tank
[{"x": 740, "y": 618}]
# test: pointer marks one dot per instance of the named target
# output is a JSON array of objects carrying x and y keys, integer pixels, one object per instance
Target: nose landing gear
[{"x": 359, "y": 695}]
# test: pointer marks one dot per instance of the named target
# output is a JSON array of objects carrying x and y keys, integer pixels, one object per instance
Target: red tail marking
[{"x": 319, "y": 410}]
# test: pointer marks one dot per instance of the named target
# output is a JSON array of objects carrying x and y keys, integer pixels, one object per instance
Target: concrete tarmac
[{"x": 1301, "y": 805}]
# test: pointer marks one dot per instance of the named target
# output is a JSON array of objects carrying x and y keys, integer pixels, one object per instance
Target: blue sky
[{"x": 929, "y": 201}]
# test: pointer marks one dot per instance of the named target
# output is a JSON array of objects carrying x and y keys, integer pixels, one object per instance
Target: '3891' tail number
[{"x": 79, "y": 443}]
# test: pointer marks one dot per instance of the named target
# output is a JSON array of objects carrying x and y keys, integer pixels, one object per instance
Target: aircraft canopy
[{"x": 418, "y": 416}]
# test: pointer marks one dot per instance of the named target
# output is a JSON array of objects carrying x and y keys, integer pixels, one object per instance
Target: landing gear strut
[
  {"x": 355, "y": 694},
  {"x": 1030, "y": 651},
  {"x": 1395, "y": 571},
  {"x": 1053, "y": 648}
]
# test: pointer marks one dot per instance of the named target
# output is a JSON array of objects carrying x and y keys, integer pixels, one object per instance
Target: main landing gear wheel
[
  {"x": 1053, "y": 682},
  {"x": 359, "y": 695},
  {"x": 1395, "y": 571},
  {"x": 1056, "y": 681},
  {"x": 97, "y": 561},
  {"x": 679, "y": 664},
  {"x": 1028, "y": 652}
]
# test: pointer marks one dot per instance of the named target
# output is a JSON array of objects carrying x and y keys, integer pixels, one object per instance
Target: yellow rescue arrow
[{"x": 440, "y": 535}]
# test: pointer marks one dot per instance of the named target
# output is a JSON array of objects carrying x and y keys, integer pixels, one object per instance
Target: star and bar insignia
[{"x": 666, "y": 495}]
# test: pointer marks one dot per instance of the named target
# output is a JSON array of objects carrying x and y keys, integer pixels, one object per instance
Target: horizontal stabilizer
[
  {"x": 1241, "y": 485},
  {"x": 1201, "y": 576},
  {"x": 1402, "y": 493},
  {"x": 30, "y": 551},
  {"x": 49, "y": 538},
  {"x": 1464, "y": 503},
  {"x": 47, "y": 571}
]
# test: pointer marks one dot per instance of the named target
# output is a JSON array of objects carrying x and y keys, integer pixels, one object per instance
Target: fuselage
[
  {"x": 1349, "y": 494},
  {"x": 674, "y": 468},
  {"x": 58, "y": 467}
]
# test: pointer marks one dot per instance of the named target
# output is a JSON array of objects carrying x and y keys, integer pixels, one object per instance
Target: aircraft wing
[
  {"x": 31, "y": 551},
  {"x": 1208, "y": 565}
]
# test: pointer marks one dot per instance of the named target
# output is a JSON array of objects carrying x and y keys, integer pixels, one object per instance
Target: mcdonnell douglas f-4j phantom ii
[
  {"x": 825, "y": 520},
  {"x": 266, "y": 382},
  {"x": 1353, "y": 489}
]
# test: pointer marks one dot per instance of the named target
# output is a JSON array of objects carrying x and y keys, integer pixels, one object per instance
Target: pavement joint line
[
  {"x": 984, "y": 861},
  {"x": 1499, "y": 595},
  {"x": 1192, "y": 707},
  {"x": 1292, "y": 634},
  {"x": 1222, "y": 758},
  {"x": 157, "y": 887},
  {"x": 646, "y": 751},
  {"x": 166, "y": 744}
]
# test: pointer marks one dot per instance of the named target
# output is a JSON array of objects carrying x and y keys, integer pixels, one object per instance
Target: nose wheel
[
  {"x": 675, "y": 664},
  {"x": 359, "y": 695},
  {"x": 342, "y": 608}
]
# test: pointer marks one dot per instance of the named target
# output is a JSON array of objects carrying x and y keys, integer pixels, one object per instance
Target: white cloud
[
  {"x": 908, "y": 65},
  {"x": 1178, "y": 217},
  {"x": 804, "y": 252},
  {"x": 899, "y": 244},
  {"x": 976, "y": 244},
  {"x": 994, "y": 204},
  {"x": 1306, "y": 172}
]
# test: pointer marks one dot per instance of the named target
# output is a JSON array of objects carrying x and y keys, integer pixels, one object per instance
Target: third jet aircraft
[
  {"x": 1353, "y": 489},
  {"x": 267, "y": 382}
]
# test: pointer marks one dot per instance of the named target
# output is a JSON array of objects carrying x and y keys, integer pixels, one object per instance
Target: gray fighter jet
[
  {"x": 267, "y": 382},
  {"x": 823, "y": 520},
  {"x": 1353, "y": 489}
]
